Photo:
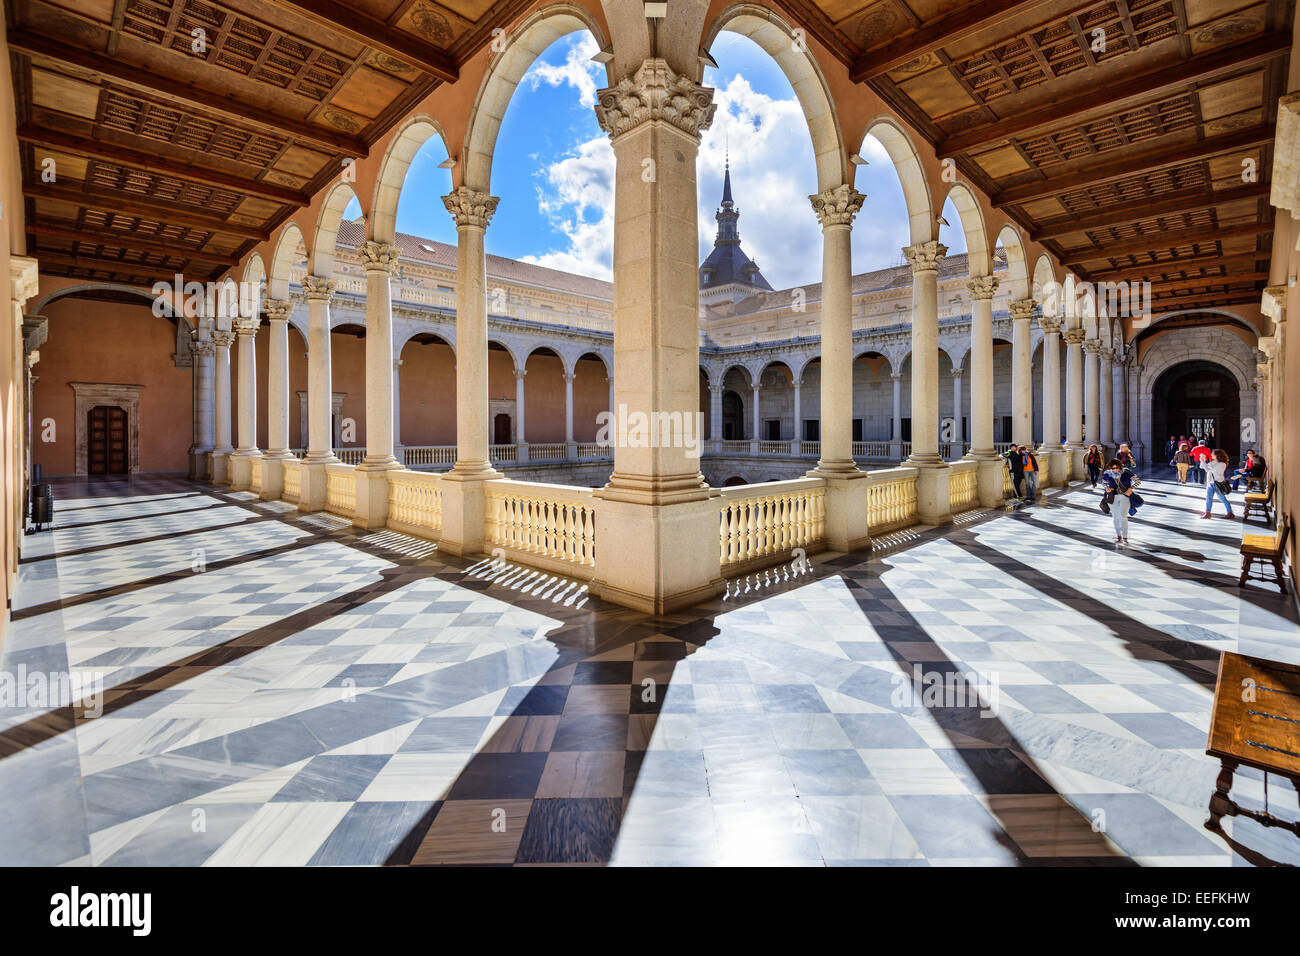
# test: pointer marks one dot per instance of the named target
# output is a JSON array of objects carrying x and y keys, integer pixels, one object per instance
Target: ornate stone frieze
[{"x": 655, "y": 93}]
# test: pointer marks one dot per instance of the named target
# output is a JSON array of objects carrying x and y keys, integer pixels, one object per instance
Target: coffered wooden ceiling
[
  {"x": 174, "y": 155},
  {"x": 1131, "y": 159}
]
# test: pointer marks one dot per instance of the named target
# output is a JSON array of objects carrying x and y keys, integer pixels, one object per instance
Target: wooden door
[{"x": 106, "y": 452}]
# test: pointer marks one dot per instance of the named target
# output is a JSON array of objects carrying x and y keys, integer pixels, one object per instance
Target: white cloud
[
  {"x": 577, "y": 70},
  {"x": 578, "y": 199}
]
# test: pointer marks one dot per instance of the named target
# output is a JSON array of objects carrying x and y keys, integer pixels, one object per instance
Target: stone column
[
  {"x": 932, "y": 498},
  {"x": 1074, "y": 445},
  {"x": 656, "y": 496},
  {"x": 755, "y": 424},
  {"x": 846, "y": 493},
  {"x": 379, "y": 259},
  {"x": 399, "y": 451},
  {"x": 1022, "y": 380},
  {"x": 1051, "y": 446},
  {"x": 241, "y": 462},
  {"x": 521, "y": 441},
  {"x": 570, "y": 446},
  {"x": 203, "y": 357},
  {"x": 897, "y": 442},
  {"x": 956, "y": 413},
  {"x": 277, "y": 313},
  {"x": 1117, "y": 398},
  {"x": 464, "y": 509},
  {"x": 320, "y": 409},
  {"x": 1091, "y": 395},
  {"x": 982, "y": 290},
  {"x": 715, "y": 416},
  {"x": 219, "y": 467},
  {"x": 1105, "y": 392},
  {"x": 796, "y": 437}
]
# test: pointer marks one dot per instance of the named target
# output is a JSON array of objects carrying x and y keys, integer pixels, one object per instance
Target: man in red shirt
[{"x": 1200, "y": 455}]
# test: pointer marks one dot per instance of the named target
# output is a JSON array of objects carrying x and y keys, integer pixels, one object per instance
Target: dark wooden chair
[
  {"x": 1261, "y": 499},
  {"x": 1258, "y": 482},
  {"x": 1254, "y": 723},
  {"x": 1265, "y": 549}
]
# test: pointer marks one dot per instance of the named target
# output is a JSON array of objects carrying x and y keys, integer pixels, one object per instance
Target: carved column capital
[
  {"x": 318, "y": 287},
  {"x": 1074, "y": 336},
  {"x": 1091, "y": 346},
  {"x": 379, "y": 256},
  {"x": 1050, "y": 324},
  {"x": 222, "y": 339},
  {"x": 520, "y": 372},
  {"x": 1022, "y": 310},
  {"x": 203, "y": 347},
  {"x": 470, "y": 208},
  {"x": 655, "y": 93},
  {"x": 925, "y": 256},
  {"x": 837, "y": 206},
  {"x": 247, "y": 326},
  {"x": 570, "y": 377},
  {"x": 982, "y": 287},
  {"x": 277, "y": 310}
]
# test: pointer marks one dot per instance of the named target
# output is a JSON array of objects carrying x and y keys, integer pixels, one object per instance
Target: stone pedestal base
[
  {"x": 312, "y": 497},
  {"x": 658, "y": 558},
  {"x": 372, "y": 497},
  {"x": 464, "y": 513},
  {"x": 198, "y": 464},
  {"x": 989, "y": 479},
  {"x": 241, "y": 470},
  {"x": 846, "y": 510},
  {"x": 219, "y": 467},
  {"x": 933, "y": 498},
  {"x": 1074, "y": 455},
  {"x": 272, "y": 479}
]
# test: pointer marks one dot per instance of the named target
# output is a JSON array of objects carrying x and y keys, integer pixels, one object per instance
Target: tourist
[
  {"x": 1016, "y": 462},
  {"x": 1119, "y": 481},
  {"x": 1125, "y": 456},
  {"x": 1182, "y": 461},
  {"x": 1029, "y": 468},
  {"x": 1215, "y": 471},
  {"x": 1201, "y": 453},
  {"x": 1253, "y": 466},
  {"x": 1093, "y": 461},
  {"x": 1171, "y": 446}
]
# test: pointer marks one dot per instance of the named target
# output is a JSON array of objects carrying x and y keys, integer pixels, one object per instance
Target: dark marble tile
[{"x": 571, "y": 831}]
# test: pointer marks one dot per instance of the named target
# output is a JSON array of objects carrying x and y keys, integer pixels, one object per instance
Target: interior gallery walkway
[{"x": 283, "y": 688}]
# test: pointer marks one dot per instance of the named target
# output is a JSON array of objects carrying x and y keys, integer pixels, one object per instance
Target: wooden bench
[
  {"x": 1263, "y": 500},
  {"x": 1265, "y": 549},
  {"x": 1255, "y": 722}
]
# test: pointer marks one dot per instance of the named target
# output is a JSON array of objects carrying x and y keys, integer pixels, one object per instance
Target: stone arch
[
  {"x": 38, "y": 305},
  {"x": 252, "y": 289},
  {"x": 907, "y": 163},
  {"x": 324, "y": 244},
  {"x": 738, "y": 366},
  {"x": 284, "y": 257},
  {"x": 979, "y": 255},
  {"x": 1017, "y": 278},
  {"x": 414, "y": 133},
  {"x": 510, "y": 350},
  {"x": 399, "y": 343},
  {"x": 776, "y": 37},
  {"x": 808, "y": 360},
  {"x": 528, "y": 41}
]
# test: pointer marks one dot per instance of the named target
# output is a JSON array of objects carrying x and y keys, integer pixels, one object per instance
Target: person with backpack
[
  {"x": 1182, "y": 461},
  {"x": 1119, "y": 482},
  {"x": 1016, "y": 462},
  {"x": 1093, "y": 461},
  {"x": 1216, "y": 470}
]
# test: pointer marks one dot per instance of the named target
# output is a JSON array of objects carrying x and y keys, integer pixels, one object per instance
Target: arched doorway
[
  {"x": 1197, "y": 398},
  {"x": 733, "y": 416}
]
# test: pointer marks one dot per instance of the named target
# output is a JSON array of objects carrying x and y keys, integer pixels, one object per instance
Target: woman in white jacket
[{"x": 1216, "y": 470}]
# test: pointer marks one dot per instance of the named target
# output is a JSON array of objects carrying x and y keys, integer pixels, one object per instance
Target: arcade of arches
[{"x": 294, "y": 450}]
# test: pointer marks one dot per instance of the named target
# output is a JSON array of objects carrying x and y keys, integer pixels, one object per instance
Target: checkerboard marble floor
[{"x": 284, "y": 689}]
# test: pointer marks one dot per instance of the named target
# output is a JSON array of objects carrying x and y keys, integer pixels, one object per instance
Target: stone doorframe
[
  {"x": 125, "y": 397},
  {"x": 504, "y": 406},
  {"x": 336, "y": 410}
]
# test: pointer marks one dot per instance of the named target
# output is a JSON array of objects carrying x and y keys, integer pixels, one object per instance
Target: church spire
[
  {"x": 726, "y": 180},
  {"x": 727, "y": 266}
]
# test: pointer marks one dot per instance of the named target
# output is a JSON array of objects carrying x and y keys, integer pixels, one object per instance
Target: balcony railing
[
  {"x": 292, "y": 480},
  {"x": 549, "y": 526},
  {"x": 429, "y": 455},
  {"x": 963, "y": 486},
  {"x": 503, "y": 452},
  {"x": 415, "y": 502},
  {"x": 255, "y": 475},
  {"x": 350, "y": 456},
  {"x": 891, "y": 499},
  {"x": 341, "y": 490},
  {"x": 547, "y": 452},
  {"x": 765, "y": 524}
]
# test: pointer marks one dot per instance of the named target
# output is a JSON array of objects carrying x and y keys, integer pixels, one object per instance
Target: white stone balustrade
[
  {"x": 763, "y": 524},
  {"x": 549, "y": 526}
]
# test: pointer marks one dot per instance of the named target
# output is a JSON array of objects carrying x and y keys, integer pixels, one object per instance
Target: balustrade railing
[
  {"x": 553, "y": 451},
  {"x": 963, "y": 486},
  {"x": 891, "y": 499},
  {"x": 764, "y": 524},
  {"x": 735, "y": 447},
  {"x": 873, "y": 449},
  {"x": 503, "y": 452},
  {"x": 255, "y": 475},
  {"x": 341, "y": 490},
  {"x": 430, "y": 455},
  {"x": 811, "y": 449},
  {"x": 292, "y": 480},
  {"x": 774, "y": 448},
  {"x": 551, "y": 526},
  {"x": 350, "y": 456},
  {"x": 415, "y": 502},
  {"x": 595, "y": 450}
]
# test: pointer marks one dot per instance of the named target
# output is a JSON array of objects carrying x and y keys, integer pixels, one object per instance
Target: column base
[
  {"x": 372, "y": 495},
  {"x": 273, "y": 475},
  {"x": 1074, "y": 453},
  {"x": 312, "y": 494},
  {"x": 988, "y": 476},
  {"x": 847, "y": 526},
  {"x": 676, "y": 562},
  {"x": 199, "y": 468},
  {"x": 933, "y": 494},
  {"x": 241, "y": 469},
  {"x": 1057, "y": 465},
  {"x": 464, "y": 512},
  {"x": 219, "y": 467},
  {"x": 656, "y": 492}
]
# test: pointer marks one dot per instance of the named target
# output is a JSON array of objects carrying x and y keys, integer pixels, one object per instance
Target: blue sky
[{"x": 553, "y": 171}]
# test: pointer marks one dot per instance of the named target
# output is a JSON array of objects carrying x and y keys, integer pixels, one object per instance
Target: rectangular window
[
  {"x": 812, "y": 429},
  {"x": 857, "y": 429},
  {"x": 907, "y": 429},
  {"x": 772, "y": 429}
]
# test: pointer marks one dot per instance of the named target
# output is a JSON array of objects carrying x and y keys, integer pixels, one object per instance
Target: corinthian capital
[
  {"x": 470, "y": 207},
  {"x": 982, "y": 287},
  {"x": 1050, "y": 324},
  {"x": 655, "y": 92},
  {"x": 318, "y": 287},
  {"x": 1091, "y": 346},
  {"x": 837, "y": 206},
  {"x": 222, "y": 338},
  {"x": 203, "y": 347},
  {"x": 247, "y": 326},
  {"x": 1074, "y": 336},
  {"x": 379, "y": 256},
  {"x": 925, "y": 256},
  {"x": 1022, "y": 310},
  {"x": 277, "y": 310}
]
